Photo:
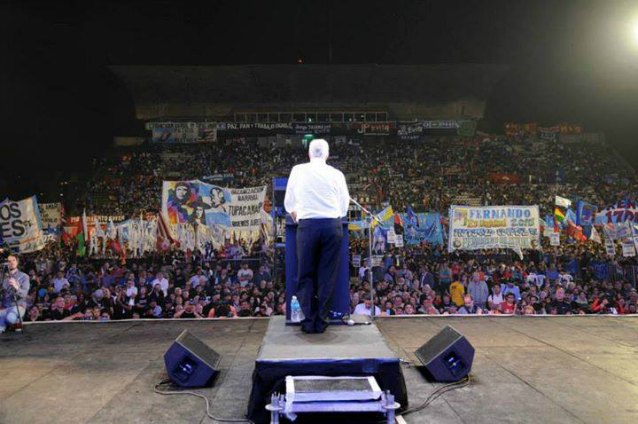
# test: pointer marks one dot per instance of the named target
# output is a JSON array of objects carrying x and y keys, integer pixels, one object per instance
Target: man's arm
[
  {"x": 290, "y": 202},
  {"x": 344, "y": 195}
]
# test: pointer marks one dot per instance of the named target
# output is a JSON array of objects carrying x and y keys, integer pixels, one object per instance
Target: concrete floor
[{"x": 526, "y": 369}]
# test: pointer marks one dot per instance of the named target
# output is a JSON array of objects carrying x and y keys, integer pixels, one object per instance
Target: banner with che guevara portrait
[{"x": 198, "y": 203}]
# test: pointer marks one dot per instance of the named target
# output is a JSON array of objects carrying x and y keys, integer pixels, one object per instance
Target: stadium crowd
[{"x": 428, "y": 175}]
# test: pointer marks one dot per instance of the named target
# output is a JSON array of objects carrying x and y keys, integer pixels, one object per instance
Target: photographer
[{"x": 15, "y": 288}]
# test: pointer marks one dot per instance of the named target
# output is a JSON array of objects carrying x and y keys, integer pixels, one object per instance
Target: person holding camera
[{"x": 15, "y": 288}]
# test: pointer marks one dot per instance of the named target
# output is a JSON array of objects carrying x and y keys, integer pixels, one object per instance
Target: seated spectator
[
  {"x": 562, "y": 306},
  {"x": 495, "y": 299},
  {"x": 365, "y": 307},
  {"x": 509, "y": 306},
  {"x": 469, "y": 307}
]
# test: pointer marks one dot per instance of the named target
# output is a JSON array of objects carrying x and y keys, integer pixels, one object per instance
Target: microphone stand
[{"x": 372, "y": 217}]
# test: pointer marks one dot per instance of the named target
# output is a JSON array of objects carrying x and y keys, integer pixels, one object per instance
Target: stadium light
[{"x": 305, "y": 141}]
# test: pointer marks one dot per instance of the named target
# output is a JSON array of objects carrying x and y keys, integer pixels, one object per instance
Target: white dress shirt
[{"x": 317, "y": 190}]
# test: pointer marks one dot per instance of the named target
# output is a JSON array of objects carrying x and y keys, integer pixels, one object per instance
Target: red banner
[{"x": 503, "y": 178}]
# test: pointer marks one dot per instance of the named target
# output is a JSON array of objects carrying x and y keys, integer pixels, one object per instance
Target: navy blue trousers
[{"x": 318, "y": 248}]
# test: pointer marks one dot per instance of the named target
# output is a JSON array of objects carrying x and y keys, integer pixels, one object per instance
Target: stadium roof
[{"x": 406, "y": 91}]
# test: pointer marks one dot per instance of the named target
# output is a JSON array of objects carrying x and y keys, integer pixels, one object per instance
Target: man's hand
[
  {"x": 13, "y": 283},
  {"x": 293, "y": 214}
]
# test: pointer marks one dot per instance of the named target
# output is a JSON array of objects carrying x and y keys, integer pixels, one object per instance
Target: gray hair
[{"x": 318, "y": 149}]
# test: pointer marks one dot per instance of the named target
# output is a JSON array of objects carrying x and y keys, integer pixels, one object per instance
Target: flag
[
  {"x": 383, "y": 216},
  {"x": 575, "y": 232},
  {"x": 542, "y": 224},
  {"x": 358, "y": 225},
  {"x": 164, "y": 239},
  {"x": 81, "y": 237},
  {"x": 398, "y": 224},
  {"x": 570, "y": 216},
  {"x": 562, "y": 202},
  {"x": 413, "y": 219},
  {"x": 595, "y": 237},
  {"x": 559, "y": 215}
]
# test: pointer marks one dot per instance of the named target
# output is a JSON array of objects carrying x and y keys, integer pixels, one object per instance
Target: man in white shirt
[
  {"x": 317, "y": 198},
  {"x": 365, "y": 307},
  {"x": 496, "y": 298},
  {"x": 163, "y": 283},
  {"x": 59, "y": 282},
  {"x": 244, "y": 275}
]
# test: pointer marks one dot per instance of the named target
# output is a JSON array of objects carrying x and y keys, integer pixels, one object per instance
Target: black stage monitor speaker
[
  {"x": 190, "y": 363},
  {"x": 447, "y": 356}
]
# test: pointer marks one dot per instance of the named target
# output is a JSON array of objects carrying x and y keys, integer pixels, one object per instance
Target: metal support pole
[
  {"x": 275, "y": 407},
  {"x": 390, "y": 406}
]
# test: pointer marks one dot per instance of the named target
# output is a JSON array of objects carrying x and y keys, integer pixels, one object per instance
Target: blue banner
[
  {"x": 585, "y": 213},
  {"x": 429, "y": 228}
]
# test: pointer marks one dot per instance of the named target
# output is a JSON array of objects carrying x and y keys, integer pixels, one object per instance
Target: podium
[{"x": 341, "y": 295}]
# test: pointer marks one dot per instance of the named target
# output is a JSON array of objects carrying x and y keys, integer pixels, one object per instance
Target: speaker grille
[
  {"x": 199, "y": 349},
  {"x": 437, "y": 345}
]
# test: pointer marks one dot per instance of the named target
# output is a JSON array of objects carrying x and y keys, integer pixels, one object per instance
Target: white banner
[
  {"x": 51, "y": 218},
  {"x": 610, "y": 248},
  {"x": 628, "y": 249},
  {"x": 562, "y": 202},
  {"x": 488, "y": 227},
  {"x": 21, "y": 226},
  {"x": 554, "y": 239},
  {"x": 183, "y": 132}
]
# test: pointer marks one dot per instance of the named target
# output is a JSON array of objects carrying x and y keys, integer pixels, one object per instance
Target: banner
[
  {"x": 503, "y": 178},
  {"x": 379, "y": 239},
  {"x": 554, "y": 239},
  {"x": 585, "y": 213},
  {"x": 566, "y": 128},
  {"x": 100, "y": 230},
  {"x": 423, "y": 227},
  {"x": 487, "y": 227},
  {"x": 266, "y": 126},
  {"x": 373, "y": 128},
  {"x": 610, "y": 248},
  {"x": 441, "y": 124},
  {"x": 213, "y": 210},
  {"x": 549, "y": 133},
  {"x": 51, "y": 218},
  {"x": 562, "y": 202},
  {"x": 514, "y": 129},
  {"x": 410, "y": 131},
  {"x": 312, "y": 128},
  {"x": 628, "y": 249},
  {"x": 183, "y": 132},
  {"x": 624, "y": 210},
  {"x": 20, "y": 225}
]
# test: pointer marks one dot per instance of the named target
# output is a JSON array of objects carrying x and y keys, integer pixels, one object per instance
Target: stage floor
[{"x": 526, "y": 369}]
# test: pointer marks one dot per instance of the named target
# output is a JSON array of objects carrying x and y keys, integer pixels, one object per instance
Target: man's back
[{"x": 317, "y": 190}]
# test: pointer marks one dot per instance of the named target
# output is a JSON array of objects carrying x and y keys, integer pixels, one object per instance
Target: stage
[{"x": 526, "y": 369}]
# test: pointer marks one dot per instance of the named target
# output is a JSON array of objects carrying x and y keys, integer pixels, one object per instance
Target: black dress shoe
[
  {"x": 320, "y": 326},
  {"x": 307, "y": 328}
]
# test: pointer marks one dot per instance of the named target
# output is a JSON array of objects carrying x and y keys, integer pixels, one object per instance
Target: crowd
[
  {"x": 172, "y": 285},
  {"x": 429, "y": 175},
  {"x": 562, "y": 281},
  {"x": 417, "y": 280}
]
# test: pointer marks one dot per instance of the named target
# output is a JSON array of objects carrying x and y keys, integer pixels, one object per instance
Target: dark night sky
[{"x": 571, "y": 60}]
